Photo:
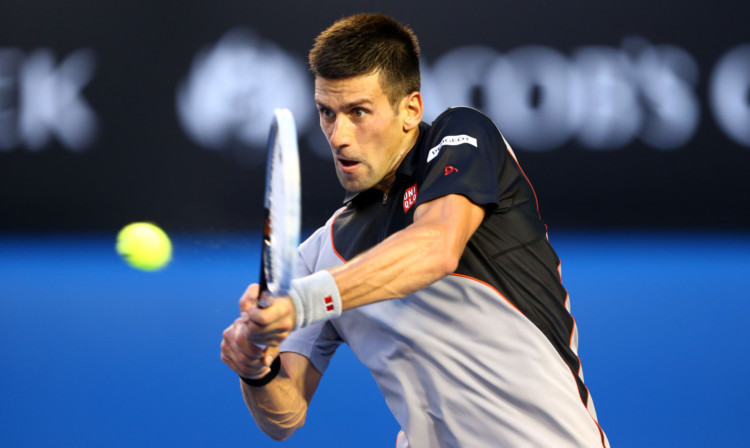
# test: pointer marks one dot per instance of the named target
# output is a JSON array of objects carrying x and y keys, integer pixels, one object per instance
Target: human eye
[
  {"x": 359, "y": 112},
  {"x": 325, "y": 112}
]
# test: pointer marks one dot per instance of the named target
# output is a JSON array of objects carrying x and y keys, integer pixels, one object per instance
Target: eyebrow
[{"x": 346, "y": 106}]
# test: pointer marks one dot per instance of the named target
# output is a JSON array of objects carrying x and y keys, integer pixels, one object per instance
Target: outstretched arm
[
  {"x": 412, "y": 258},
  {"x": 403, "y": 263}
]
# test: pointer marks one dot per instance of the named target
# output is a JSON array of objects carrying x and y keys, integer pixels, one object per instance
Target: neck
[{"x": 387, "y": 182}]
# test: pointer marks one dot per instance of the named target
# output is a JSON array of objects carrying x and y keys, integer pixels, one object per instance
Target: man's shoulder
[
  {"x": 462, "y": 116},
  {"x": 458, "y": 125},
  {"x": 460, "y": 122}
]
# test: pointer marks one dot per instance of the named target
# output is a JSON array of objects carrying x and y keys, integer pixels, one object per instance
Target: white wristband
[{"x": 315, "y": 298}]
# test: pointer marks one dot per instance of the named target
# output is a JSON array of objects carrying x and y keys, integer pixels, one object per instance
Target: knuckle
[
  {"x": 244, "y": 361},
  {"x": 253, "y": 329},
  {"x": 287, "y": 306},
  {"x": 288, "y": 324},
  {"x": 229, "y": 337},
  {"x": 227, "y": 360}
]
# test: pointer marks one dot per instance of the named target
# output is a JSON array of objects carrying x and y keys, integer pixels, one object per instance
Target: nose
[{"x": 340, "y": 133}]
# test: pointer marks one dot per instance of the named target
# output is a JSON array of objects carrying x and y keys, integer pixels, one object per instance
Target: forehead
[{"x": 347, "y": 90}]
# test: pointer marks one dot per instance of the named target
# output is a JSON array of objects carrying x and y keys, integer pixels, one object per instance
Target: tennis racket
[{"x": 282, "y": 208}]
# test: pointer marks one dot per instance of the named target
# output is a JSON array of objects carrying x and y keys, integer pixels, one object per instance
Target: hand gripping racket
[{"x": 282, "y": 207}]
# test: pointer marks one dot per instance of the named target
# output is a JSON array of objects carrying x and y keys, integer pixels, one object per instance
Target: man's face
[{"x": 366, "y": 135}]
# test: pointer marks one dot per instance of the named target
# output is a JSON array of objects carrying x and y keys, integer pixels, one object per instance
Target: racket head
[{"x": 282, "y": 206}]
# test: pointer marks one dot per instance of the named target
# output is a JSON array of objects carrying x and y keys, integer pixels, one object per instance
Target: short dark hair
[{"x": 365, "y": 44}]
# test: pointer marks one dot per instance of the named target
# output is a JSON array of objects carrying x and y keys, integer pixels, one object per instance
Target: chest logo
[
  {"x": 451, "y": 140},
  {"x": 450, "y": 170},
  {"x": 410, "y": 197}
]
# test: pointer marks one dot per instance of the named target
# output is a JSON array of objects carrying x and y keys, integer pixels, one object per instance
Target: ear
[{"x": 412, "y": 110}]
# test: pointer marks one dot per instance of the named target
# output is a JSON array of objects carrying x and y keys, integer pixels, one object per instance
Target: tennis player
[{"x": 437, "y": 271}]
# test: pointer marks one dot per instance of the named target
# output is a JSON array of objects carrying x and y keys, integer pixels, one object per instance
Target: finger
[
  {"x": 244, "y": 317},
  {"x": 236, "y": 346},
  {"x": 248, "y": 361},
  {"x": 272, "y": 325},
  {"x": 266, "y": 338},
  {"x": 259, "y": 335},
  {"x": 268, "y": 335},
  {"x": 243, "y": 370},
  {"x": 279, "y": 312},
  {"x": 229, "y": 362},
  {"x": 269, "y": 354},
  {"x": 253, "y": 370},
  {"x": 249, "y": 297},
  {"x": 240, "y": 339},
  {"x": 227, "y": 355}
]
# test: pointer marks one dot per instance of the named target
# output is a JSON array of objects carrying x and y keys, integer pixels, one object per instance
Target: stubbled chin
[{"x": 350, "y": 182}]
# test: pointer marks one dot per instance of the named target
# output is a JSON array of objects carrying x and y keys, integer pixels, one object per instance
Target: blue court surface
[{"x": 96, "y": 354}]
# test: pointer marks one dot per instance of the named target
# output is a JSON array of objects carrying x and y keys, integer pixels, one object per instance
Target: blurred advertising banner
[{"x": 632, "y": 115}]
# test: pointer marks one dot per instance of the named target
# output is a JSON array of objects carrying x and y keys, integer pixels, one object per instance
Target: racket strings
[{"x": 283, "y": 204}]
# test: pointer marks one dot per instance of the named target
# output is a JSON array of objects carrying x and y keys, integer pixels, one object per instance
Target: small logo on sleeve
[
  {"x": 329, "y": 303},
  {"x": 451, "y": 140},
  {"x": 410, "y": 197},
  {"x": 450, "y": 170}
]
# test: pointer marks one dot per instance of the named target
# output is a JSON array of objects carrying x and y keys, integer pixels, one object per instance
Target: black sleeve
[{"x": 463, "y": 154}]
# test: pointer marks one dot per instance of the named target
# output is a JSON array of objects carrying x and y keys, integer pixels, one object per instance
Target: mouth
[{"x": 348, "y": 165}]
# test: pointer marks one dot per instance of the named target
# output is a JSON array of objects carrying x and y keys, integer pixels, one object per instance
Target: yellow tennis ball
[{"x": 144, "y": 246}]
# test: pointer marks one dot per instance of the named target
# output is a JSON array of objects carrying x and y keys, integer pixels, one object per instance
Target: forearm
[
  {"x": 278, "y": 407},
  {"x": 405, "y": 262},
  {"x": 413, "y": 258}
]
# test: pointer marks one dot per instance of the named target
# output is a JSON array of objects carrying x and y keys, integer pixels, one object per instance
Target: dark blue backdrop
[
  {"x": 618, "y": 111},
  {"x": 97, "y": 354}
]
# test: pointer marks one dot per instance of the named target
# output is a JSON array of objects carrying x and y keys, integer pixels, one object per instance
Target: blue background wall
[{"x": 97, "y": 354}]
